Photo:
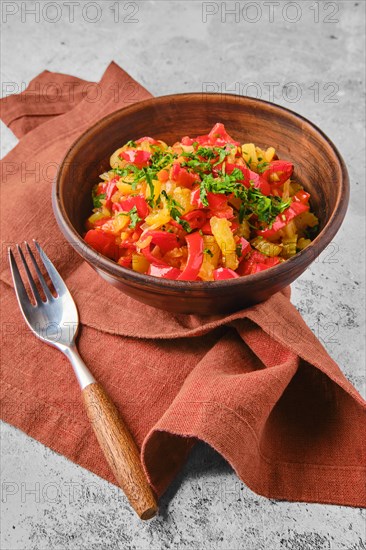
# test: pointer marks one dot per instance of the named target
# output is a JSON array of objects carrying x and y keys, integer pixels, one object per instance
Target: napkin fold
[{"x": 256, "y": 385}]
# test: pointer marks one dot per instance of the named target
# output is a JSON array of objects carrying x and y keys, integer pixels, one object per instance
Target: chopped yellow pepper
[
  {"x": 115, "y": 161},
  {"x": 140, "y": 263},
  {"x": 303, "y": 243},
  {"x": 266, "y": 247},
  {"x": 269, "y": 154},
  {"x": 250, "y": 155},
  {"x": 289, "y": 247},
  {"x": 220, "y": 228}
]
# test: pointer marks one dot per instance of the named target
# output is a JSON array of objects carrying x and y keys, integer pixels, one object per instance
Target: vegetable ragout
[{"x": 204, "y": 209}]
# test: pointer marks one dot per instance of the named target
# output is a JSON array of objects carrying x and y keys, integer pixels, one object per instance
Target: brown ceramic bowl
[{"x": 318, "y": 166}]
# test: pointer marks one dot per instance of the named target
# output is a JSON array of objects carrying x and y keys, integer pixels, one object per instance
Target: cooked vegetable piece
[
  {"x": 225, "y": 239},
  {"x": 266, "y": 247}
]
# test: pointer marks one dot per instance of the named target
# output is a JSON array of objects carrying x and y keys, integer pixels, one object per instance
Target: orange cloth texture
[{"x": 256, "y": 385}]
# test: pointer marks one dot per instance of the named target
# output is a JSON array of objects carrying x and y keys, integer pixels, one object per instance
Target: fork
[{"x": 55, "y": 321}]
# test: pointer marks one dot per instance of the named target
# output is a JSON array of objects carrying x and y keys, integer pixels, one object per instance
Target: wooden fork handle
[{"x": 120, "y": 450}]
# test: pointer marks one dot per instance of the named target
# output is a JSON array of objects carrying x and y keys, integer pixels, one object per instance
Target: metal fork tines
[
  {"x": 51, "y": 306},
  {"x": 55, "y": 321}
]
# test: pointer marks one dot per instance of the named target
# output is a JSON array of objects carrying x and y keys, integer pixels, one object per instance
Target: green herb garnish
[
  {"x": 97, "y": 198},
  {"x": 176, "y": 210},
  {"x": 135, "y": 218},
  {"x": 200, "y": 161},
  {"x": 262, "y": 166},
  {"x": 266, "y": 208}
]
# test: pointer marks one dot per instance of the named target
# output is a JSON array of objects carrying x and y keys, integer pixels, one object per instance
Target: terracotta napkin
[{"x": 256, "y": 385}]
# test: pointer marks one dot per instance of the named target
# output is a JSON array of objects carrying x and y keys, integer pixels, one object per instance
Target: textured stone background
[{"x": 172, "y": 48}]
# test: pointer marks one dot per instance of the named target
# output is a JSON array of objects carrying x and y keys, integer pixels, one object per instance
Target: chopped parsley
[
  {"x": 175, "y": 210},
  {"x": 262, "y": 166},
  {"x": 266, "y": 208},
  {"x": 135, "y": 218},
  {"x": 161, "y": 159},
  {"x": 200, "y": 161},
  {"x": 97, "y": 198},
  {"x": 123, "y": 173}
]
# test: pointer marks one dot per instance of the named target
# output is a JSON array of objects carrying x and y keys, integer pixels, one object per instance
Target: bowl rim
[{"x": 320, "y": 242}]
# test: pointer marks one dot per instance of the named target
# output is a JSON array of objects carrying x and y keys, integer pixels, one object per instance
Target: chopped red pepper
[
  {"x": 164, "y": 240},
  {"x": 131, "y": 245},
  {"x": 219, "y": 136},
  {"x": 186, "y": 140},
  {"x": 217, "y": 203},
  {"x": 226, "y": 213},
  {"x": 245, "y": 248},
  {"x": 260, "y": 183},
  {"x": 147, "y": 252},
  {"x": 218, "y": 206},
  {"x": 109, "y": 190},
  {"x": 195, "y": 218},
  {"x": 104, "y": 243},
  {"x": 202, "y": 140},
  {"x": 295, "y": 209},
  {"x": 282, "y": 168},
  {"x": 259, "y": 267},
  {"x": 234, "y": 226},
  {"x": 138, "y": 158},
  {"x": 195, "y": 198},
  {"x": 165, "y": 272},
  {"x": 182, "y": 177},
  {"x": 256, "y": 262},
  {"x": 249, "y": 178},
  {"x": 206, "y": 228},
  {"x": 302, "y": 196},
  {"x": 195, "y": 257},
  {"x": 137, "y": 200},
  {"x": 272, "y": 261},
  {"x": 126, "y": 260},
  {"x": 224, "y": 273}
]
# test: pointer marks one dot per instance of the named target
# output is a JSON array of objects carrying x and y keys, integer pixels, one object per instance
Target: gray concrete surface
[{"x": 311, "y": 55}]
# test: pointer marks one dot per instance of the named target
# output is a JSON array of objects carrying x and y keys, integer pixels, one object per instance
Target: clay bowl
[{"x": 319, "y": 167}]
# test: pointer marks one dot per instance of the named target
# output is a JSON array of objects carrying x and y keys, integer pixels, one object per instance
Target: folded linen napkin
[{"x": 256, "y": 385}]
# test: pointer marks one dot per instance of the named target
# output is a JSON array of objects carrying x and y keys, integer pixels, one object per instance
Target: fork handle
[
  {"x": 119, "y": 449},
  {"x": 114, "y": 439}
]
